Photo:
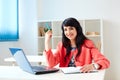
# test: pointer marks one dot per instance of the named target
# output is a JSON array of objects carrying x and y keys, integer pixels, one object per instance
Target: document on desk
[{"x": 70, "y": 70}]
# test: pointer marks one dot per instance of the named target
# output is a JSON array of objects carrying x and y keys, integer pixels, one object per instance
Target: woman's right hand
[{"x": 48, "y": 36}]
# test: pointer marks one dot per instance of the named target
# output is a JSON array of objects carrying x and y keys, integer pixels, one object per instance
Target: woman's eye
[
  {"x": 68, "y": 28},
  {"x": 65, "y": 29},
  {"x": 71, "y": 28}
]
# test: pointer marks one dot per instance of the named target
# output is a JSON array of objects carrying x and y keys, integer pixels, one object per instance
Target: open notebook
[{"x": 70, "y": 70}]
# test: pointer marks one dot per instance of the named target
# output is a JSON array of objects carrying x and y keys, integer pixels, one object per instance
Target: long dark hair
[{"x": 80, "y": 38}]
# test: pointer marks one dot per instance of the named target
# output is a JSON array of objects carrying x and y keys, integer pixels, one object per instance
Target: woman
[{"x": 75, "y": 49}]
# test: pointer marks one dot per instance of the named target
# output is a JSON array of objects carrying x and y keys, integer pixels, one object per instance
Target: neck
[{"x": 73, "y": 43}]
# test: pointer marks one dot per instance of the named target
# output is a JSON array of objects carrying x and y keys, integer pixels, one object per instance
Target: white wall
[
  {"x": 27, "y": 31},
  {"x": 28, "y": 25},
  {"x": 83, "y": 9}
]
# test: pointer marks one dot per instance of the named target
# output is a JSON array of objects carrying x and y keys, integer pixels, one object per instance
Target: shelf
[{"x": 92, "y": 35}]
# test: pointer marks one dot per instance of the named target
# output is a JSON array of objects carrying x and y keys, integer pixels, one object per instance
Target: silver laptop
[{"x": 25, "y": 65}]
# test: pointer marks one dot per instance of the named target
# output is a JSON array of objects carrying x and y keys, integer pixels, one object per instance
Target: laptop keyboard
[{"x": 36, "y": 68}]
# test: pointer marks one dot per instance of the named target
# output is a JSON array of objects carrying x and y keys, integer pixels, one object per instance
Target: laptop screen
[{"x": 21, "y": 59}]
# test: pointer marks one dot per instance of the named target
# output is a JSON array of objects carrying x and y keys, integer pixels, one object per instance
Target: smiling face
[{"x": 70, "y": 32}]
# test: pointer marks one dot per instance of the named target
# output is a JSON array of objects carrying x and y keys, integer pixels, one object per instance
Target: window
[{"x": 9, "y": 20}]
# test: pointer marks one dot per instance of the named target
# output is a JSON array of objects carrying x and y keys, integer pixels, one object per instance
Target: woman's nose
[{"x": 68, "y": 31}]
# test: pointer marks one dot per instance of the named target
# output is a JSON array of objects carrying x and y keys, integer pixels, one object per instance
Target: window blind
[{"x": 9, "y": 20}]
